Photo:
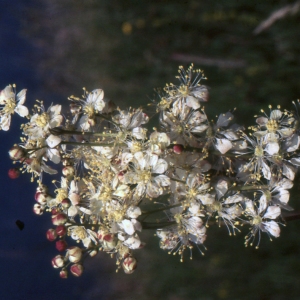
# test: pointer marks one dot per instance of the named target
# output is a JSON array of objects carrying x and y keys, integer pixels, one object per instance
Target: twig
[{"x": 281, "y": 13}]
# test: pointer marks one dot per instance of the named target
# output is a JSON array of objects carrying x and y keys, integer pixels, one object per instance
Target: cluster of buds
[{"x": 112, "y": 167}]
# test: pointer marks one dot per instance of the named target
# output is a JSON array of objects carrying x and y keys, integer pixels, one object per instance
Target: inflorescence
[{"x": 116, "y": 177}]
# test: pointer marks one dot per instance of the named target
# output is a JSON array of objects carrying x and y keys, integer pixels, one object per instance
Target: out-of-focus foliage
[{"x": 128, "y": 48}]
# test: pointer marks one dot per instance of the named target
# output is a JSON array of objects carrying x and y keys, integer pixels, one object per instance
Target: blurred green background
[{"x": 130, "y": 47}]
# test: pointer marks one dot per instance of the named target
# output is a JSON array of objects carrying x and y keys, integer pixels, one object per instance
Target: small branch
[
  {"x": 281, "y": 13},
  {"x": 209, "y": 61}
]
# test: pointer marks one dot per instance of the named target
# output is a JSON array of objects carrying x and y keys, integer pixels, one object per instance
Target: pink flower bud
[
  {"x": 68, "y": 171},
  {"x": 51, "y": 235},
  {"x": 177, "y": 149},
  {"x": 59, "y": 219},
  {"x": 74, "y": 254},
  {"x": 63, "y": 274},
  {"x": 61, "y": 245},
  {"x": 129, "y": 264},
  {"x": 13, "y": 173},
  {"x": 58, "y": 261},
  {"x": 38, "y": 209},
  {"x": 61, "y": 230},
  {"x": 76, "y": 269},
  {"x": 41, "y": 197},
  {"x": 16, "y": 153},
  {"x": 66, "y": 203}
]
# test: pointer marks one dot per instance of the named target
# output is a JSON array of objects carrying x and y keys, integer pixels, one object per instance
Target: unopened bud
[
  {"x": 76, "y": 269},
  {"x": 42, "y": 197},
  {"x": 51, "y": 235},
  {"x": 63, "y": 274},
  {"x": 129, "y": 264},
  {"x": 65, "y": 203},
  {"x": 178, "y": 149},
  {"x": 58, "y": 261},
  {"x": 59, "y": 219},
  {"x": 61, "y": 245},
  {"x": 61, "y": 230},
  {"x": 16, "y": 153},
  {"x": 74, "y": 254},
  {"x": 13, "y": 173},
  {"x": 38, "y": 209}
]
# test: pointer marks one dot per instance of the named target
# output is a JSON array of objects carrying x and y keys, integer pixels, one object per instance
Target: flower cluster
[{"x": 118, "y": 178}]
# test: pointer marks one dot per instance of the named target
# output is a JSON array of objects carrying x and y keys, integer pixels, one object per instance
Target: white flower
[{"x": 11, "y": 103}]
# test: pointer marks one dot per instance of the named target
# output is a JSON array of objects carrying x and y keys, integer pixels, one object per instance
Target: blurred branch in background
[
  {"x": 288, "y": 10},
  {"x": 209, "y": 61}
]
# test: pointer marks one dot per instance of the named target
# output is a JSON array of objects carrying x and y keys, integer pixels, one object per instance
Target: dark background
[{"x": 54, "y": 48}]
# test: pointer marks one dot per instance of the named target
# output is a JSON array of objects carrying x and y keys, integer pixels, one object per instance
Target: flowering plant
[{"x": 117, "y": 177}]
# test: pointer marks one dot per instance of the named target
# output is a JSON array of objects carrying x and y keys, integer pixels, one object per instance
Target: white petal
[
  {"x": 192, "y": 102},
  {"x": 266, "y": 171},
  {"x": 21, "y": 97},
  {"x": 223, "y": 145},
  {"x": 53, "y": 140},
  {"x": 160, "y": 167},
  {"x": 133, "y": 212},
  {"x": 275, "y": 114},
  {"x": 22, "y": 110},
  {"x": 272, "y": 227},
  {"x": 272, "y": 148},
  {"x": 272, "y": 212},
  {"x": 128, "y": 227},
  {"x": 288, "y": 172}
]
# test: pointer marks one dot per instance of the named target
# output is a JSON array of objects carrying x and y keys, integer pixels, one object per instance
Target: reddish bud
[
  {"x": 61, "y": 245},
  {"x": 129, "y": 264},
  {"x": 61, "y": 230},
  {"x": 13, "y": 173},
  {"x": 38, "y": 209},
  {"x": 66, "y": 203},
  {"x": 41, "y": 197},
  {"x": 58, "y": 261},
  {"x": 178, "y": 149},
  {"x": 76, "y": 269},
  {"x": 74, "y": 254},
  {"x": 59, "y": 219},
  {"x": 16, "y": 153},
  {"x": 63, "y": 274},
  {"x": 51, "y": 235}
]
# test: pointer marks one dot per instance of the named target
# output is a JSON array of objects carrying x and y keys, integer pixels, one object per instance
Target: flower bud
[
  {"x": 41, "y": 197},
  {"x": 74, "y": 254},
  {"x": 61, "y": 245},
  {"x": 129, "y": 264},
  {"x": 63, "y": 274},
  {"x": 61, "y": 230},
  {"x": 68, "y": 171},
  {"x": 76, "y": 269},
  {"x": 51, "y": 235},
  {"x": 178, "y": 149},
  {"x": 58, "y": 261},
  {"x": 13, "y": 173},
  {"x": 65, "y": 203},
  {"x": 38, "y": 209},
  {"x": 59, "y": 219},
  {"x": 16, "y": 153}
]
